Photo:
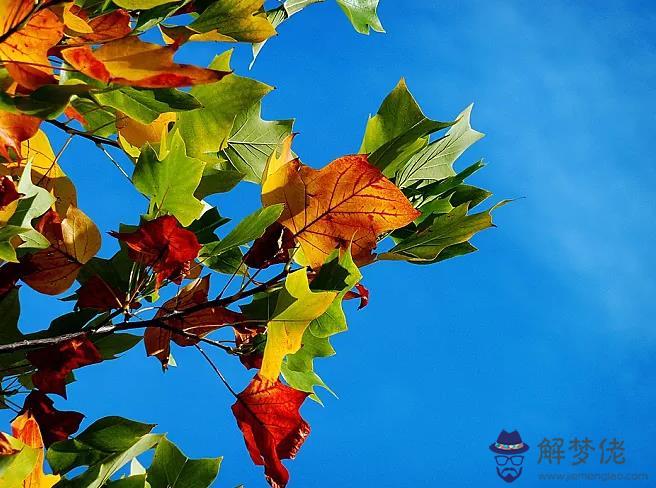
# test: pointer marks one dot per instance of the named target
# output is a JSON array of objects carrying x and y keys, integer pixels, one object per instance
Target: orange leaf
[
  {"x": 25, "y": 429},
  {"x": 349, "y": 202},
  {"x": 73, "y": 241},
  {"x": 108, "y": 27},
  {"x": 25, "y": 52},
  {"x": 267, "y": 414},
  {"x": 131, "y": 61},
  {"x": 14, "y": 129},
  {"x": 200, "y": 322}
]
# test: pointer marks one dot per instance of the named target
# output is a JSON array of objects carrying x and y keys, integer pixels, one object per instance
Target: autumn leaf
[
  {"x": 198, "y": 323},
  {"x": 54, "y": 363},
  {"x": 273, "y": 247},
  {"x": 14, "y": 129},
  {"x": 104, "y": 28},
  {"x": 164, "y": 245},
  {"x": 8, "y": 198},
  {"x": 296, "y": 307},
  {"x": 74, "y": 240},
  {"x": 53, "y": 424},
  {"x": 347, "y": 203},
  {"x": 250, "y": 341},
  {"x": 46, "y": 171},
  {"x": 362, "y": 293},
  {"x": 96, "y": 293},
  {"x": 25, "y": 52},
  {"x": 26, "y": 429},
  {"x": 267, "y": 414},
  {"x": 131, "y": 61}
]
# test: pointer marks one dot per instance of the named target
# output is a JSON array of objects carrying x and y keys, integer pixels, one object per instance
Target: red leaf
[
  {"x": 54, "y": 363},
  {"x": 108, "y": 27},
  {"x": 362, "y": 294},
  {"x": 10, "y": 273},
  {"x": 164, "y": 245},
  {"x": 267, "y": 414},
  {"x": 54, "y": 425},
  {"x": 8, "y": 193},
  {"x": 246, "y": 339},
  {"x": 97, "y": 294},
  {"x": 199, "y": 322},
  {"x": 271, "y": 248}
]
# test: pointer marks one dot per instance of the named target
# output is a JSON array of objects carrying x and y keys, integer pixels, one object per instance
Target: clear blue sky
[{"x": 548, "y": 329}]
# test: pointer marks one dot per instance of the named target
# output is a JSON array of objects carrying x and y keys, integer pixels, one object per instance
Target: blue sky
[{"x": 547, "y": 329}]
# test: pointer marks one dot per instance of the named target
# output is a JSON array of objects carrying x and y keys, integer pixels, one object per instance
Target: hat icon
[{"x": 509, "y": 443}]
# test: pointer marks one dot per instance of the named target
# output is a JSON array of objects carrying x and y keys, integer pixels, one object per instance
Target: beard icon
[{"x": 508, "y": 474}]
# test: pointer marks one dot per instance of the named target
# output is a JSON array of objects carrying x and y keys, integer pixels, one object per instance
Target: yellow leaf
[
  {"x": 73, "y": 21},
  {"x": 26, "y": 430},
  {"x": 46, "y": 172},
  {"x": 297, "y": 306},
  {"x": 347, "y": 203},
  {"x": 138, "y": 134},
  {"x": 25, "y": 52},
  {"x": 73, "y": 242},
  {"x": 131, "y": 61}
]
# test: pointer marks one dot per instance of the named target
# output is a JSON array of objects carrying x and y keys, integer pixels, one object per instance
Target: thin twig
[
  {"x": 96, "y": 139},
  {"x": 217, "y": 371}
]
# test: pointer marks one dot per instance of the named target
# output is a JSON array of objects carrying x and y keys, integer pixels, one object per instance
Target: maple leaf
[
  {"x": 296, "y": 307},
  {"x": 164, "y": 245},
  {"x": 131, "y": 61},
  {"x": 271, "y": 248},
  {"x": 25, "y": 52},
  {"x": 267, "y": 414},
  {"x": 347, "y": 203},
  {"x": 197, "y": 322},
  {"x": 74, "y": 240},
  {"x": 54, "y": 363},
  {"x": 26, "y": 429},
  {"x": 14, "y": 129},
  {"x": 54, "y": 425}
]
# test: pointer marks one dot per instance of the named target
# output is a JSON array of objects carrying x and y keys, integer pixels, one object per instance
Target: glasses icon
[{"x": 515, "y": 460}]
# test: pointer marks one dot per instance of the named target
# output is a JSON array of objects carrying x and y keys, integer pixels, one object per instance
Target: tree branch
[{"x": 74, "y": 132}]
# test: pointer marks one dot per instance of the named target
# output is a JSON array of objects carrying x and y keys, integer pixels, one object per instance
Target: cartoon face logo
[{"x": 509, "y": 449}]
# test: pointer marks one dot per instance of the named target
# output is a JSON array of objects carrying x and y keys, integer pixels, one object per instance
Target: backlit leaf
[
  {"x": 131, "y": 61},
  {"x": 267, "y": 414},
  {"x": 362, "y": 14},
  {"x": 347, "y": 203}
]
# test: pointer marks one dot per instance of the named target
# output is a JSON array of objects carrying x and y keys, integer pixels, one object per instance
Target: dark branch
[{"x": 85, "y": 135}]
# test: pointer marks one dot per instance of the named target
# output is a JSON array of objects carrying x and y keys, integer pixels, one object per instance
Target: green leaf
[
  {"x": 35, "y": 202},
  {"x": 172, "y": 469},
  {"x": 206, "y": 225},
  {"x": 253, "y": 140},
  {"x": 111, "y": 346},
  {"x": 171, "y": 182},
  {"x": 136, "y": 481},
  {"x": 339, "y": 273},
  {"x": 217, "y": 179},
  {"x": 141, "y": 4},
  {"x": 7, "y": 251},
  {"x": 46, "y": 102},
  {"x": 206, "y": 130},
  {"x": 239, "y": 20},
  {"x": 228, "y": 262},
  {"x": 447, "y": 230},
  {"x": 362, "y": 14},
  {"x": 397, "y": 131},
  {"x": 249, "y": 229},
  {"x": 146, "y": 105},
  {"x": 97, "y": 120},
  {"x": 113, "y": 434},
  {"x": 435, "y": 161}
]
